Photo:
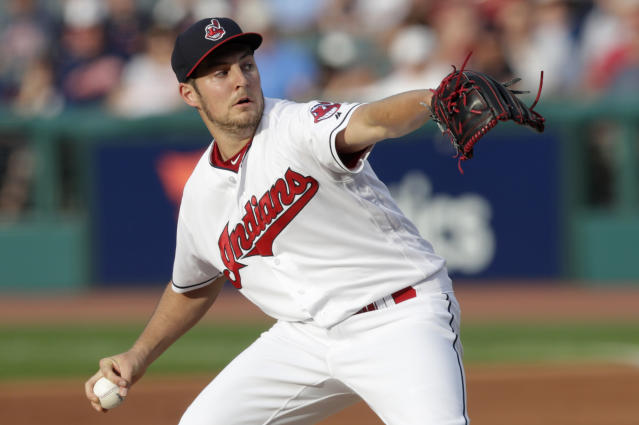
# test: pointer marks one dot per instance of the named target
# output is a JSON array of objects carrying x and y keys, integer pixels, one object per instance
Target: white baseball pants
[{"x": 404, "y": 361}]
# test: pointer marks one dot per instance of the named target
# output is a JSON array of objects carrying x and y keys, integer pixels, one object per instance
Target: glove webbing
[
  {"x": 451, "y": 106},
  {"x": 451, "y": 101}
]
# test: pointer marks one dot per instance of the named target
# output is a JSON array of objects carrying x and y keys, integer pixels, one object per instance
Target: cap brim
[{"x": 252, "y": 39}]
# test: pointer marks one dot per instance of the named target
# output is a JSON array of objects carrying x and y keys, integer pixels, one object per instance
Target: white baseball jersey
[{"x": 303, "y": 235}]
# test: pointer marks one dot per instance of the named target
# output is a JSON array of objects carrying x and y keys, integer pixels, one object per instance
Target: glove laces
[
  {"x": 451, "y": 101},
  {"x": 458, "y": 94}
]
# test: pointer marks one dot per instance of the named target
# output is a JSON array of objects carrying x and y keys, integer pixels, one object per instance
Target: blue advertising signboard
[
  {"x": 138, "y": 186},
  {"x": 500, "y": 219}
]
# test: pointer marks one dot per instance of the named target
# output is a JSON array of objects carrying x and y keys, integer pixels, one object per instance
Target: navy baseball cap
[{"x": 202, "y": 38}]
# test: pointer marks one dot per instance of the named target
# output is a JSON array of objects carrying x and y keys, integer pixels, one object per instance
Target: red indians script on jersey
[{"x": 263, "y": 221}]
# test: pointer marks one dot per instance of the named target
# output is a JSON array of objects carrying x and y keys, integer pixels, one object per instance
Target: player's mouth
[{"x": 243, "y": 101}]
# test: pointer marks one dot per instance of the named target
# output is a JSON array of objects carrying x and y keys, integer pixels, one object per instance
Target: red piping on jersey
[{"x": 231, "y": 164}]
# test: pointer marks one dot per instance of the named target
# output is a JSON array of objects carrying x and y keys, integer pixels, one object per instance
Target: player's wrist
[
  {"x": 428, "y": 97},
  {"x": 140, "y": 355}
]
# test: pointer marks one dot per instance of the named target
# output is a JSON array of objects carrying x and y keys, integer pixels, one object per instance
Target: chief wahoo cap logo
[{"x": 214, "y": 31}]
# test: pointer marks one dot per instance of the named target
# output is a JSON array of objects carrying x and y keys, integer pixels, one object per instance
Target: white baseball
[{"x": 108, "y": 393}]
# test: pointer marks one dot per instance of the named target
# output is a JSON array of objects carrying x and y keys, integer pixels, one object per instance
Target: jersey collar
[{"x": 231, "y": 164}]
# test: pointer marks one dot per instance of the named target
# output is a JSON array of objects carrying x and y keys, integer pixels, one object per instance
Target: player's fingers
[
  {"x": 110, "y": 369},
  {"x": 90, "y": 395},
  {"x": 126, "y": 377},
  {"x": 88, "y": 386},
  {"x": 116, "y": 373},
  {"x": 97, "y": 407}
]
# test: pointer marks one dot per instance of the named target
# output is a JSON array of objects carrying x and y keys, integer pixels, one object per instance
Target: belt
[{"x": 394, "y": 298}]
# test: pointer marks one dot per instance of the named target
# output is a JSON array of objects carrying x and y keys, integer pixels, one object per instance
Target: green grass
[
  {"x": 40, "y": 351},
  {"x": 45, "y": 351},
  {"x": 550, "y": 343}
]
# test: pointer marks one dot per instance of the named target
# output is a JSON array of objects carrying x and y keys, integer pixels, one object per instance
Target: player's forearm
[
  {"x": 400, "y": 114},
  {"x": 389, "y": 118},
  {"x": 175, "y": 314}
]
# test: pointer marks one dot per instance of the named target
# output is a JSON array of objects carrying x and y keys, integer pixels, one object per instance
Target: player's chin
[
  {"x": 246, "y": 120},
  {"x": 248, "y": 111},
  {"x": 247, "y": 114}
]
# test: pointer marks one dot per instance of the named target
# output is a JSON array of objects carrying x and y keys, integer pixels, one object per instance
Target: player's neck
[
  {"x": 229, "y": 150},
  {"x": 229, "y": 143}
]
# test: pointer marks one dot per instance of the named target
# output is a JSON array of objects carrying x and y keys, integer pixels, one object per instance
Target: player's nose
[{"x": 240, "y": 79}]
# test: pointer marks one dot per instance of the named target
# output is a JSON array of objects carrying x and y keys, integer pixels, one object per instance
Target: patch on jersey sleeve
[{"x": 324, "y": 110}]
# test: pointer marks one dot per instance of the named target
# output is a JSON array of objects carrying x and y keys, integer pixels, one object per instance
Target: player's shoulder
[
  {"x": 278, "y": 110},
  {"x": 199, "y": 174}
]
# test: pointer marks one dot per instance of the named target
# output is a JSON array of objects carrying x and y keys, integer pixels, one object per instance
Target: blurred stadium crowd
[{"x": 115, "y": 54}]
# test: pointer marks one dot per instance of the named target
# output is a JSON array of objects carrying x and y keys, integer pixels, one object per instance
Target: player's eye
[{"x": 220, "y": 73}]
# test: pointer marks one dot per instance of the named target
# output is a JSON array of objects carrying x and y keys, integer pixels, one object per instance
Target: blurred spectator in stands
[
  {"x": 16, "y": 174},
  {"x": 86, "y": 71},
  {"x": 537, "y": 35},
  {"x": 601, "y": 32},
  {"x": 124, "y": 27},
  {"x": 353, "y": 38},
  {"x": 37, "y": 94},
  {"x": 331, "y": 48},
  {"x": 26, "y": 32},
  {"x": 170, "y": 13},
  {"x": 421, "y": 55},
  {"x": 411, "y": 53},
  {"x": 287, "y": 67},
  {"x": 616, "y": 69},
  {"x": 336, "y": 14},
  {"x": 148, "y": 84},
  {"x": 345, "y": 65},
  {"x": 372, "y": 23},
  {"x": 179, "y": 14},
  {"x": 626, "y": 79},
  {"x": 611, "y": 33},
  {"x": 294, "y": 16},
  {"x": 380, "y": 18},
  {"x": 489, "y": 57},
  {"x": 457, "y": 26}
]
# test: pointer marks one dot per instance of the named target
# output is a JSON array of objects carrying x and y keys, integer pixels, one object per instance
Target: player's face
[{"x": 229, "y": 90}]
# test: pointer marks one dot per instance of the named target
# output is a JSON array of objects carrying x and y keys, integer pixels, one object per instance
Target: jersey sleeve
[
  {"x": 321, "y": 122},
  {"x": 190, "y": 270}
]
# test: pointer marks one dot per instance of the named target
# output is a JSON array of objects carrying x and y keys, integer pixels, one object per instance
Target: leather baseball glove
[{"x": 467, "y": 104}]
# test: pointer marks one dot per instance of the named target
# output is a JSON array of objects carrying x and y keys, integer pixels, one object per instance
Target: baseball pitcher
[{"x": 285, "y": 206}]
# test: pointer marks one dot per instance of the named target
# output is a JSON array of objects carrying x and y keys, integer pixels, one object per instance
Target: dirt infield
[
  {"x": 574, "y": 395},
  {"x": 585, "y": 394}
]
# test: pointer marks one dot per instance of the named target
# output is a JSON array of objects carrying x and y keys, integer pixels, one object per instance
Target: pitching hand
[{"x": 122, "y": 369}]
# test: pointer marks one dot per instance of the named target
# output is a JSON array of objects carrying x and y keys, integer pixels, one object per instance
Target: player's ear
[{"x": 189, "y": 94}]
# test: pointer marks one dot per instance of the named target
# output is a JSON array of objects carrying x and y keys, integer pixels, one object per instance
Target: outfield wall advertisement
[{"x": 500, "y": 219}]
